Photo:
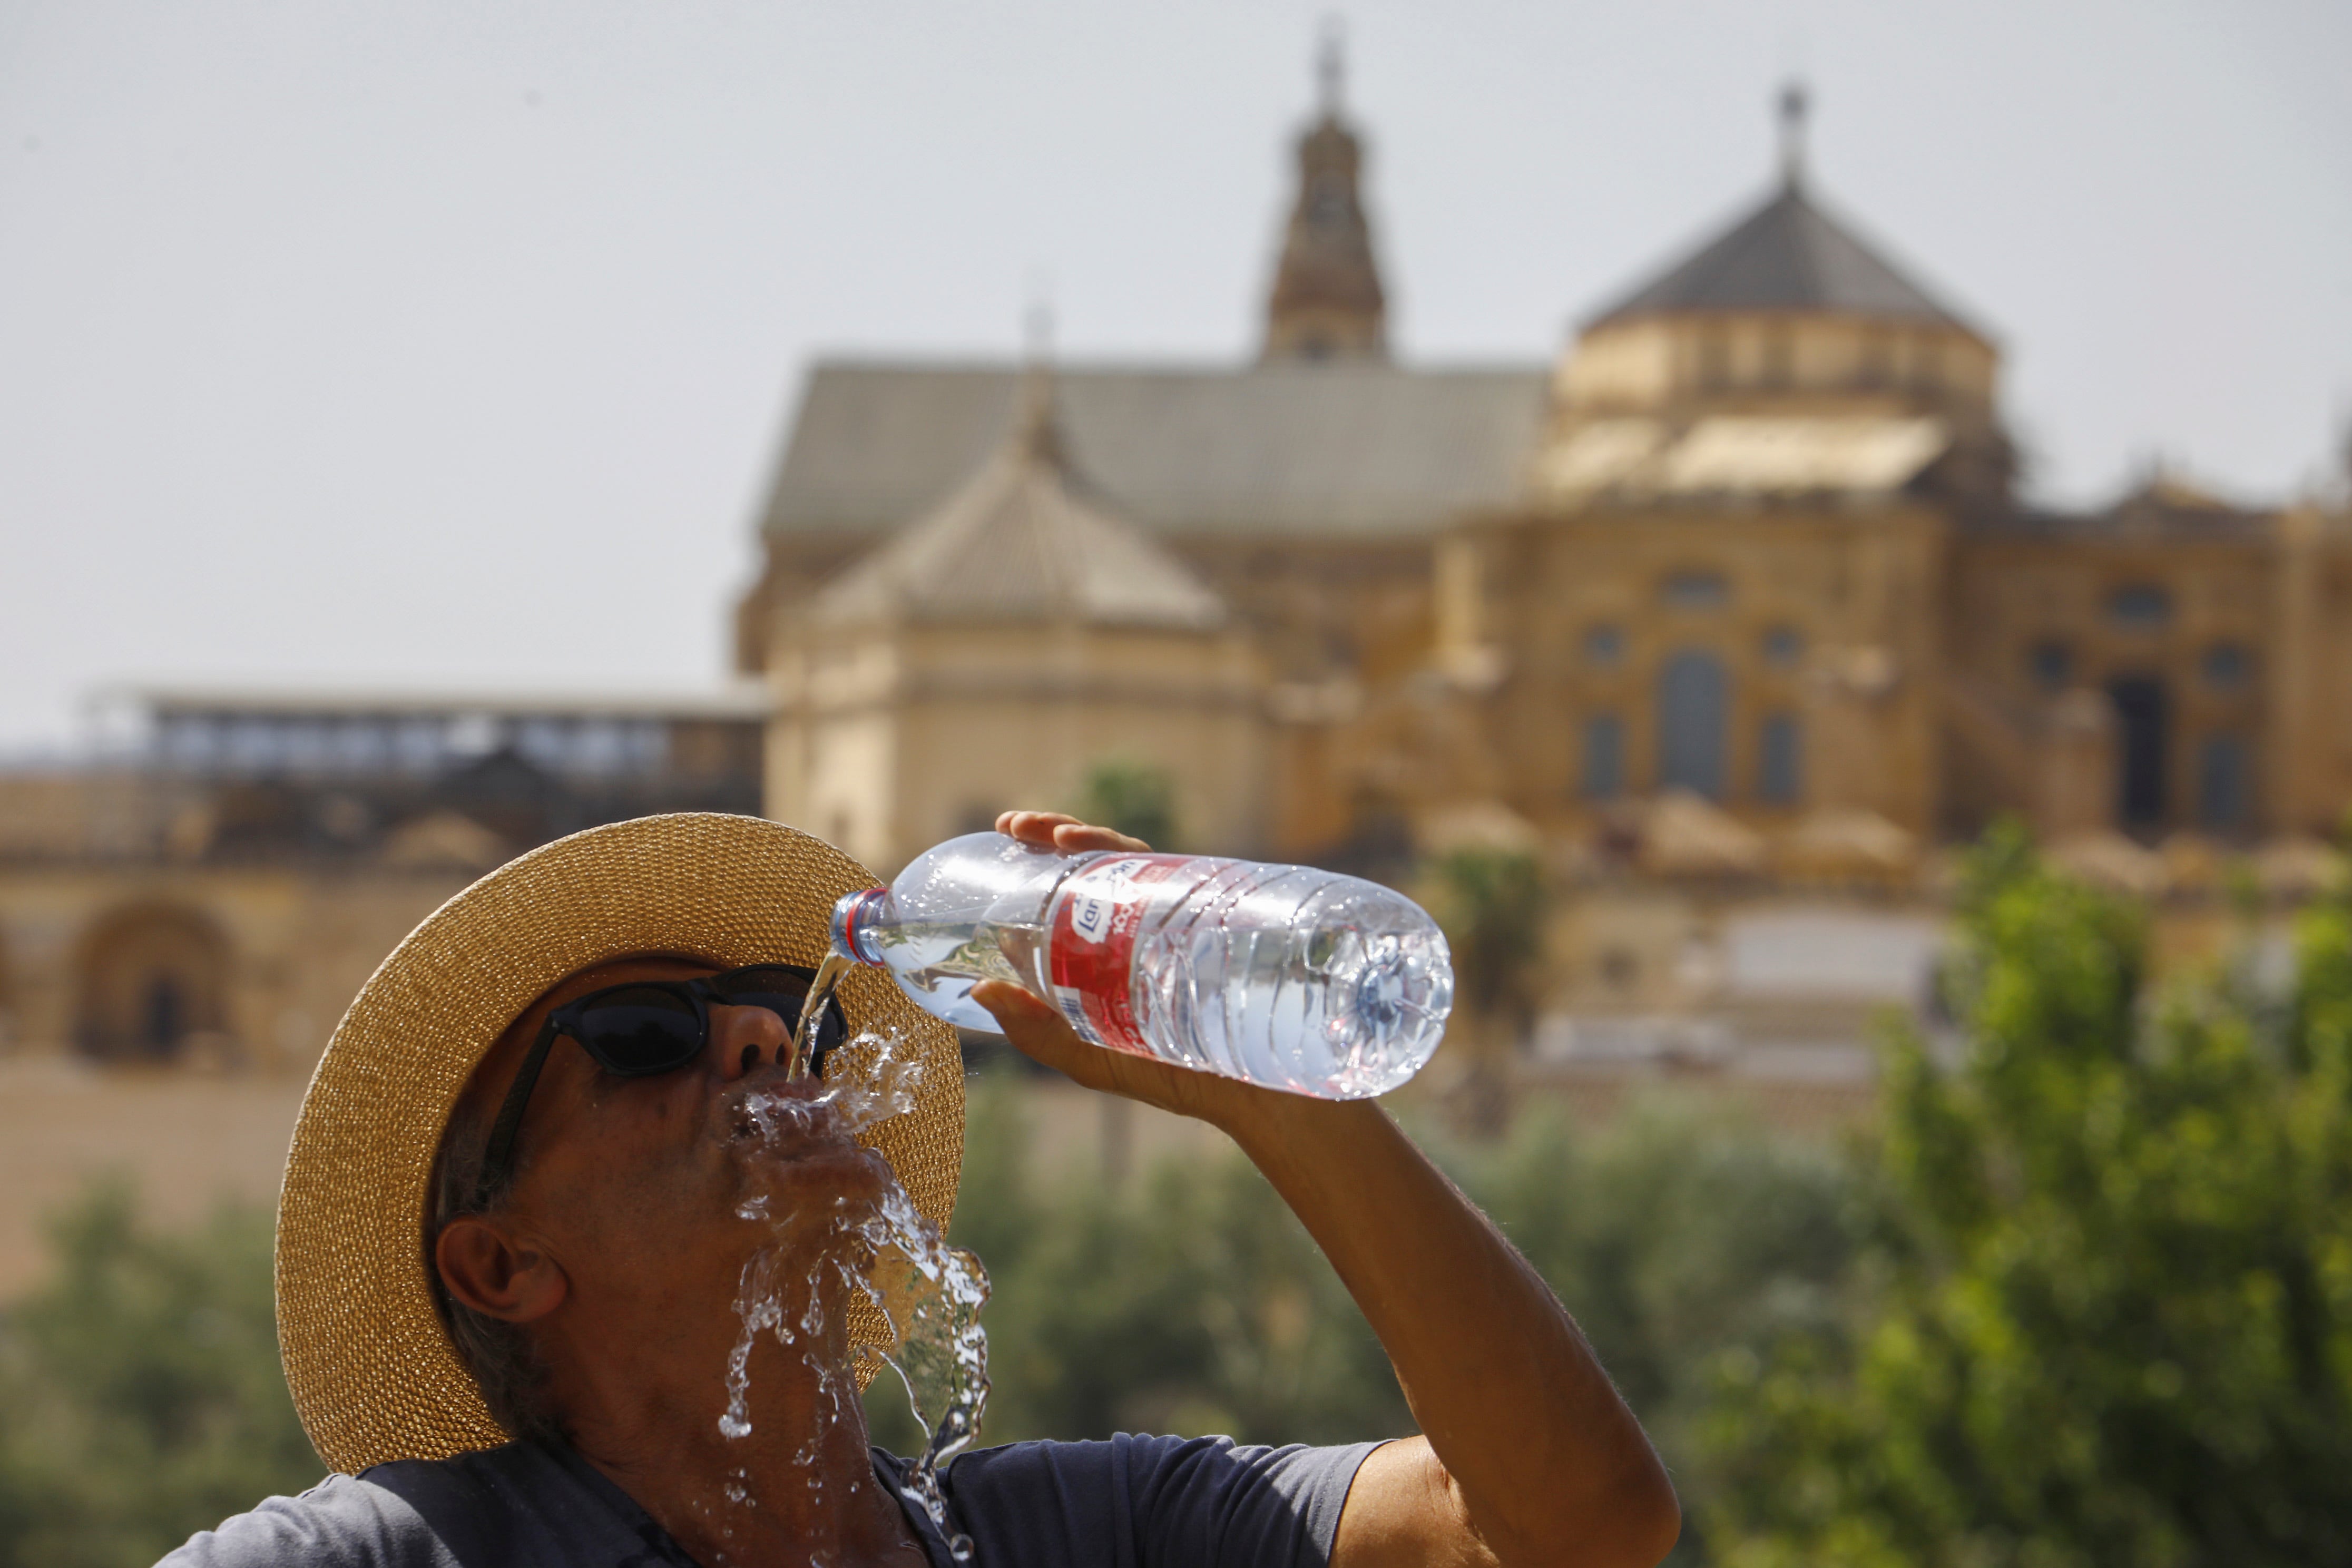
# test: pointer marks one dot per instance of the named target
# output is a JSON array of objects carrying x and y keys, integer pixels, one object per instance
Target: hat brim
[{"x": 371, "y": 1367}]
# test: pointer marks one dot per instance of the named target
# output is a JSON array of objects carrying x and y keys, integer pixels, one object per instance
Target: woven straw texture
[{"x": 371, "y": 1370}]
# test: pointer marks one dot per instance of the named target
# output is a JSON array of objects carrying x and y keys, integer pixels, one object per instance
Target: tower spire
[
  {"x": 1794, "y": 104},
  {"x": 1036, "y": 432},
  {"x": 1331, "y": 66},
  {"x": 1326, "y": 301}
]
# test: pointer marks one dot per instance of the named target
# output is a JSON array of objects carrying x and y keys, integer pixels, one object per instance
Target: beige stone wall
[
  {"x": 2307, "y": 756},
  {"x": 2012, "y": 596},
  {"x": 1827, "y": 615},
  {"x": 892, "y": 739},
  {"x": 1797, "y": 362},
  {"x": 293, "y": 944},
  {"x": 288, "y": 947}
]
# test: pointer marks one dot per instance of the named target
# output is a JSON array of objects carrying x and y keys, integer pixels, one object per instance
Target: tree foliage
[
  {"x": 141, "y": 1397},
  {"x": 1492, "y": 904},
  {"x": 2086, "y": 1299},
  {"x": 1136, "y": 798},
  {"x": 1189, "y": 1300},
  {"x": 2111, "y": 1314}
]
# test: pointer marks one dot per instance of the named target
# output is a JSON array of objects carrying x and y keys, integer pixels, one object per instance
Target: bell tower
[{"x": 1326, "y": 301}]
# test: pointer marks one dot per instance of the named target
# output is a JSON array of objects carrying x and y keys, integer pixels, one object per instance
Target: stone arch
[
  {"x": 152, "y": 980},
  {"x": 1693, "y": 712}
]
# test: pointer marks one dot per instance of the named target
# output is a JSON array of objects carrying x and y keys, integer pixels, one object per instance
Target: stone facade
[
  {"x": 994, "y": 651},
  {"x": 1753, "y": 539},
  {"x": 182, "y": 928}
]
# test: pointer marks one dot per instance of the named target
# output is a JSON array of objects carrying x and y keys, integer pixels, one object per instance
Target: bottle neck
[{"x": 852, "y": 924}]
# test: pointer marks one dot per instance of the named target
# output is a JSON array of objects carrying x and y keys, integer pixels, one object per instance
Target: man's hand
[{"x": 1042, "y": 1035}]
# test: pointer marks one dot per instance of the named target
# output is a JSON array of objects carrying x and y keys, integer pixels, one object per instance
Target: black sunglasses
[{"x": 642, "y": 1028}]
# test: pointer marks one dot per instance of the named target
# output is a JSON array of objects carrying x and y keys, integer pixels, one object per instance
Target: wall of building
[
  {"x": 1717, "y": 361},
  {"x": 1813, "y": 629},
  {"x": 889, "y": 739},
  {"x": 2183, "y": 625}
]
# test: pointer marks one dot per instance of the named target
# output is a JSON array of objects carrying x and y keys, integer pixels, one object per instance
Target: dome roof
[{"x": 1787, "y": 255}]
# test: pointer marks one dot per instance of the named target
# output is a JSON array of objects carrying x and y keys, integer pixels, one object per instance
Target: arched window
[
  {"x": 152, "y": 979},
  {"x": 2225, "y": 795},
  {"x": 2143, "y": 749},
  {"x": 1780, "y": 759},
  {"x": 2226, "y": 666},
  {"x": 1694, "y": 702},
  {"x": 1604, "y": 757},
  {"x": 1714, "y": 358},
  {"x": 2051, "y": 663},
  {"x": 2140, "y": 607}
]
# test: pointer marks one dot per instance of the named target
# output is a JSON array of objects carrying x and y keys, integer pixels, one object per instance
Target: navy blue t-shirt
[{"x": 1132, "y": 1502}]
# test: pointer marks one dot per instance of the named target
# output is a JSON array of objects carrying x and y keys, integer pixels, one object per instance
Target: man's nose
[{"x": 746, "y": 1037}]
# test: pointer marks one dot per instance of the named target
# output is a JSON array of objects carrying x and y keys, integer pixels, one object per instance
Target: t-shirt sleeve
[
  {"x": 339, "y": 1524},
  {"x": 1153, "y": 1502}
]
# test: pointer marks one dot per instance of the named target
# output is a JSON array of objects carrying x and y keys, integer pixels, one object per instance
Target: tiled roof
[
  {"x": 1348, "y": 449},
  {"x": 1022, "y": 541},
  {"x": 1787, "y": 255}
]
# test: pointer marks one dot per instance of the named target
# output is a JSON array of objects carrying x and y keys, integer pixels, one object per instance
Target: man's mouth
[{"x": 764, "y": 1111}]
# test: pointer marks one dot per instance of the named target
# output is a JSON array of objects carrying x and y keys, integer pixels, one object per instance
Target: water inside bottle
[
  {"x": 891, "y": 1255},
  {"x": 1289, "y": 976},
  {"x": 943, "y": 960}
]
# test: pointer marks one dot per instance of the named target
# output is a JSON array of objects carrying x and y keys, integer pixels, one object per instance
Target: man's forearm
[{"x": 1550, "y": 1463}]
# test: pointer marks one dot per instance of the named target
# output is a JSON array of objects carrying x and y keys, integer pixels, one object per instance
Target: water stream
[{"x": 883, "y": 1249}]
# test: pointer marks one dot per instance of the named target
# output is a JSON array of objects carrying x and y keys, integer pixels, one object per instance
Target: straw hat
[{"x": 371, "y": 1370}]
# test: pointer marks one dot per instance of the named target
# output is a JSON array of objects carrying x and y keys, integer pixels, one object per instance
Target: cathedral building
[{"x": 1739, "y": 587}]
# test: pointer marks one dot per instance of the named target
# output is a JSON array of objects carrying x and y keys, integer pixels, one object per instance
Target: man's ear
[{"x": 494, "y": 1274}]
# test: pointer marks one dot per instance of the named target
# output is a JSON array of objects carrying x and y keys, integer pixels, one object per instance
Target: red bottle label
[{"x": 1091, "y": 945}]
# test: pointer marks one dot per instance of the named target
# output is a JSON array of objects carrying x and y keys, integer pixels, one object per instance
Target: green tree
[
  {"x": 2111, "y": 1319},
  {"x": 1136, "y": 798},
  {"x": 1681, "y": 1235},
  {"x": 1190, "y": 1301},
  {"x": 1492, "y": 904},
  {"x": 141, "y": 1398}
]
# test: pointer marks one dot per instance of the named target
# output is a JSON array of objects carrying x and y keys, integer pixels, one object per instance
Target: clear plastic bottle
[{"x": 1285, "y": 975}]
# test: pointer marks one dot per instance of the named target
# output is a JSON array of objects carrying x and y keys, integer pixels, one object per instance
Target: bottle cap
[{"x": 852, "y": 924}]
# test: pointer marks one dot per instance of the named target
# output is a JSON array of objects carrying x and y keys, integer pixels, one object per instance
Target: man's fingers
[
  {"x": 1060, "y": 831},
  {"x": 1033, "y": 826},
  {"x": 1039, "y": 1032},
  {"x": 1071, "y": 840},
  {"x": 1036, "y": 1030}
]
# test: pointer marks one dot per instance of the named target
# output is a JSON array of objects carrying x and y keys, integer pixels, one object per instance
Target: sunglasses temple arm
[
  {"x": 499, "y": 1150},
  {"x": 821, "y": 988}
]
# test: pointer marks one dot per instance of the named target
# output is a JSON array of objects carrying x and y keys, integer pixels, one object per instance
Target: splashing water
[{"x": 886, "y": 1251}]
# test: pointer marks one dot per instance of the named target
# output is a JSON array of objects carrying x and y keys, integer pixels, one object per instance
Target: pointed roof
[
  {"x": 1351, "y": 449},
  {"x": 1021, "y": 541},
  {"x": 1787, "y": 255},
  {"x": 1326, "y": 300}
]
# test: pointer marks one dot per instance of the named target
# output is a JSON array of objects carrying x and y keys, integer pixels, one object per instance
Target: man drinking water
[{"x": 520, "y": 1209}]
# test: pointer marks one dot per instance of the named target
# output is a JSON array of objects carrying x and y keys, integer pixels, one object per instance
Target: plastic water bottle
[{"x": 1285, "y": 975}]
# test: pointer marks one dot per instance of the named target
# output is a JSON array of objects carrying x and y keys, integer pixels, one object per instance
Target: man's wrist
[{"x": 1268, "y": 1122}]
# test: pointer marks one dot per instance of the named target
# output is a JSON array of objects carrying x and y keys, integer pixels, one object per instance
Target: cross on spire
[
  {"x": 1793, "y": 105},
  {"x": 1331, "y": 66}
]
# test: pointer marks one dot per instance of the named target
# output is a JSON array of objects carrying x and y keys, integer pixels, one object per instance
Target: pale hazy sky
[{"x": 452, "y": 340}]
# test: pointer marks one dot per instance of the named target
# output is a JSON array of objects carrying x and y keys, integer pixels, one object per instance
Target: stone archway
[{"x": 152, "y": 980}]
